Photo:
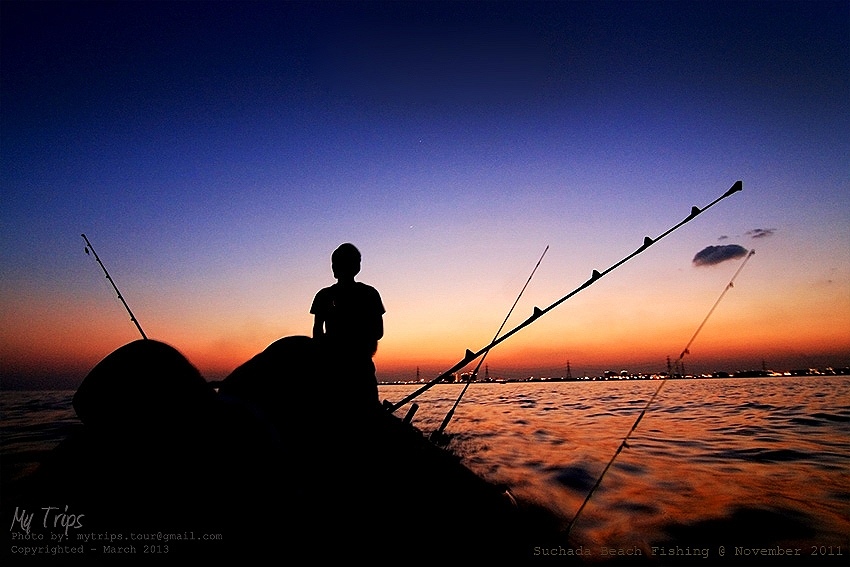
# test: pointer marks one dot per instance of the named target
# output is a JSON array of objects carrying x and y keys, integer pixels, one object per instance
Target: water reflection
[{"x": 749, "y": 461}]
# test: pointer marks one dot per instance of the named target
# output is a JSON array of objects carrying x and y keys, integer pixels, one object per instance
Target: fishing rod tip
[{"x": 738, "y": 186}]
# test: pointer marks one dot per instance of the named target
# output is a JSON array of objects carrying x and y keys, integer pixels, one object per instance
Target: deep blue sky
[{"x": 216, "y": 153}]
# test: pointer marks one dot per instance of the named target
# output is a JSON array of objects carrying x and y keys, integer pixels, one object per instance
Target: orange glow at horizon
[
  {"x": 41, "y": 342},
  {"x": 610, "y": 327}
]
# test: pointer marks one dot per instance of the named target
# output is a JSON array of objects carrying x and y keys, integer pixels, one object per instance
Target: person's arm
[
  {"x": 379, "y": 327},
  {"x": 318, "y": 327},
  {"x": 378, "y": 322}
]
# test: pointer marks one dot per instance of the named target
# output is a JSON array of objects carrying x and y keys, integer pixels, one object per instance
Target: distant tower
[
  {"x": 417, "y": 374},
  {"x": 486, "y": 372},
  {"x": 569, "y": 372}
]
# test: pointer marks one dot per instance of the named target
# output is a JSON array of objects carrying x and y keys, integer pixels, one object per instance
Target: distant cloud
[
  {"x": 711, "y": 255},
  {"x": 760, "y": 232}
]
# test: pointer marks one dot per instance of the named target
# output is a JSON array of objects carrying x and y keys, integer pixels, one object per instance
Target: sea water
[
  {"x": 753, "y": 468},
  {"x": 717, "y": 469}
]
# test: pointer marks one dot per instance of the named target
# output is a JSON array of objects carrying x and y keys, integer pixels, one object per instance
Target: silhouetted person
[{"x": 348, "y": 324}]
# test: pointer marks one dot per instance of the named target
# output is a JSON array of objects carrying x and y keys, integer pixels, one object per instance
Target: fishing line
[
  {"x": 115, "y": 287},
  {"x": 710, "y": 311},
  {"x": 438, "y": 435},
  {"x": 624, "y": 443},
  {"x": 537, "y": 313}
]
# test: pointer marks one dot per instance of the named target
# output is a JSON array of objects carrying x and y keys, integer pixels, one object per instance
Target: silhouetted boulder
[
  {"x": 141, "y": 386},
  {"x": 360, "y": 476},
  {"x": 277, "y": 383},
  {"x": 159, "y": 452}
]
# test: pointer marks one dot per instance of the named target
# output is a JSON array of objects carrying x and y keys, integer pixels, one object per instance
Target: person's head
[{"x": 345, "y": 261}]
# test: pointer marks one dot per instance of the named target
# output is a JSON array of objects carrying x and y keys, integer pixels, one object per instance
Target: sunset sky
[{"x": 216, "y": 153}]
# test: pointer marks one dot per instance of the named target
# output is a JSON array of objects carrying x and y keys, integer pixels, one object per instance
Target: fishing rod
[
  {"x": 624, "y": 443},
  {"x": 713, "y": 307},
  {"x": 438, "y": 435},
  {"x": 537, "y": 313},
  {"x": 121, "y": 297}
]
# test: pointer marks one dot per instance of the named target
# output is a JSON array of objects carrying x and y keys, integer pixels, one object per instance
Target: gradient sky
[{"x": 216, "y": 153}]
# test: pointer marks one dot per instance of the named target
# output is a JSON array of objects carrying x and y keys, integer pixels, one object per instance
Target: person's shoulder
[
  {"x": 366, "y": 288},
  {"x": 324, "y": 291},
  {"x": 371, "y": 296}
]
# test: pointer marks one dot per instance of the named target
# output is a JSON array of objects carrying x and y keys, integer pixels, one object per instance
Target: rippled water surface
[
  {"x": 739, "y": 462},
  {"x": 31, "y": 424},
  {"x": 756, "y": 461}
]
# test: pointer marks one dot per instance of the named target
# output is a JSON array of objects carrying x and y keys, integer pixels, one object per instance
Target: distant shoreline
[
  {"x": 614, "y": 377},
  {"x": 611, "y": 377}
]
